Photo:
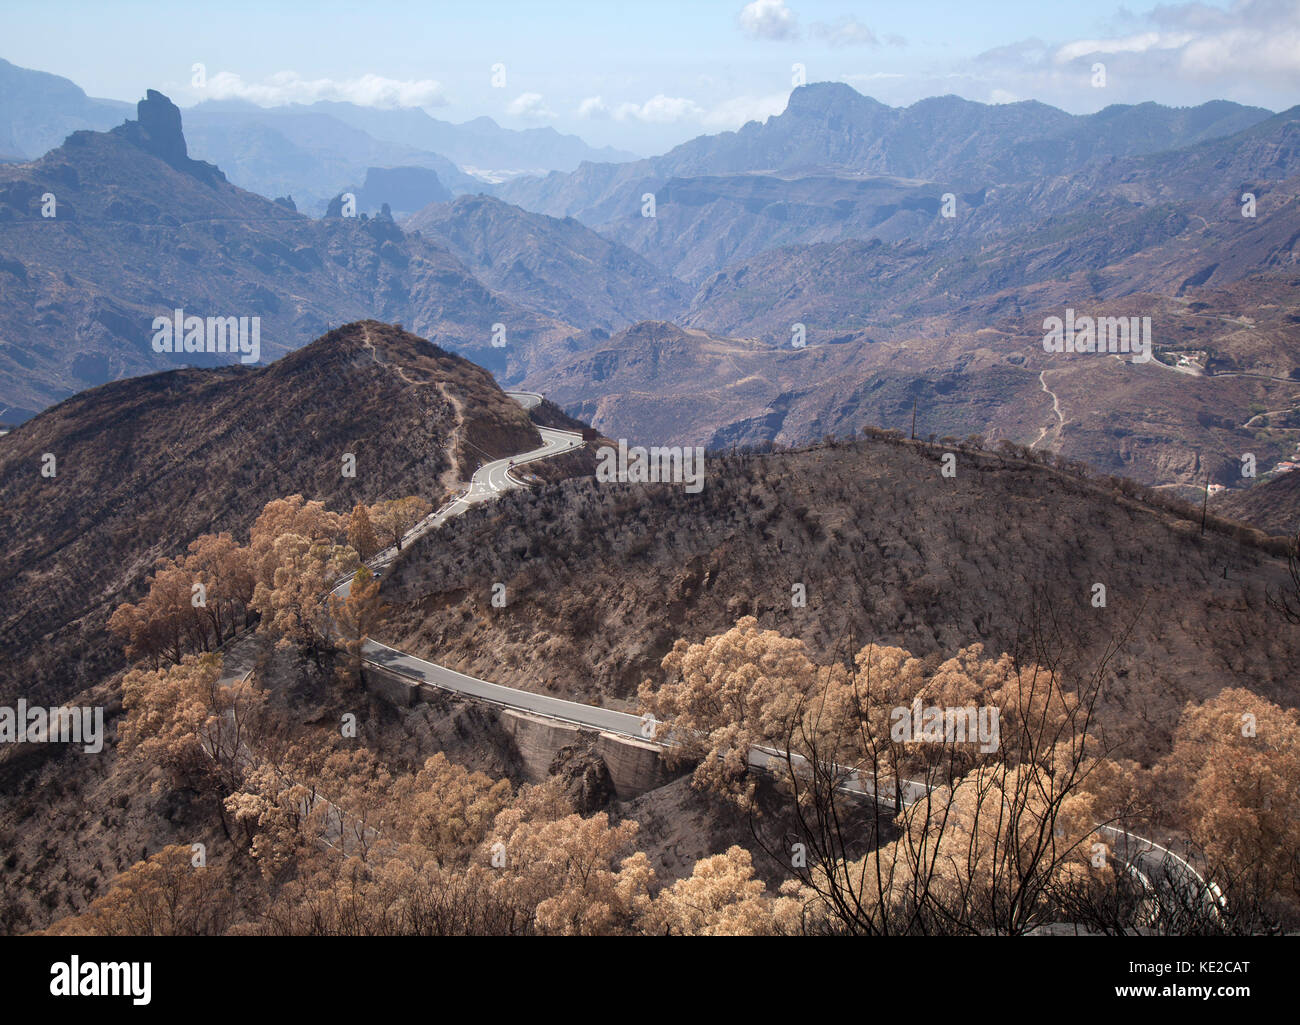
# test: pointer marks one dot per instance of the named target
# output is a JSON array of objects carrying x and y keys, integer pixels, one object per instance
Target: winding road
[
  {"x": 1144, "y": 858},
  {"x": 1056, "y": 408},
  {"x": 488, "y": 481}
]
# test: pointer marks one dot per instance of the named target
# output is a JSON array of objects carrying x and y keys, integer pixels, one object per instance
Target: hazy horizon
[{"x": 646, "y": 83}]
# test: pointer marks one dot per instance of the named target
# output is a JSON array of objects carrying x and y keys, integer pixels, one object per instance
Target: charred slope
[
  {"x": 602, "y": 578},
  {"x": 1272, "y": 505},
  {"x": 145, "y": 465}
]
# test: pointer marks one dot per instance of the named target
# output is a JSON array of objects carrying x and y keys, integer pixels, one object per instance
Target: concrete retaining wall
[
  {"x": 635, "y": 766},
  {"x": 538, "y": 740},
  {"x": 395, "y": 689}
]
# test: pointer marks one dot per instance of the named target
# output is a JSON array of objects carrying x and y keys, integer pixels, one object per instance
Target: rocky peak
[
  {"x": 157, "y": 130},
  {"x": 160, "y": 121}
]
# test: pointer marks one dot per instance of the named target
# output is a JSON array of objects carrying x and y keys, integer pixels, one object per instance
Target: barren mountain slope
[
  {"x": 145, "y": 465},
  {"x": 1272, "y": 505},
  {"x": 556, "y": 267},
  {"x": 602, "y": 579}
]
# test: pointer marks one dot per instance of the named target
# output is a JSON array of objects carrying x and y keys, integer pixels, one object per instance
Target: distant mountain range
[
  {"x": 309, "y": 151},
  {"x": 897, "y": 303},
  {"x": 141, "y": 230},
  {"x": 308, "y": 155},
  {"x": 557, "y": 267},
  {"x": 480, "y": 144},
  {"x": 39, "y": 110},
  {"x": 825, "y": 270},
  {"x": 831, "y": 128},
  {"x": 316, "y": 149}
]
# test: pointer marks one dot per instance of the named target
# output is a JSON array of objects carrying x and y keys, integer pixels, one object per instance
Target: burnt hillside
[
  {"x": 603, "y": 578},
  {"x": 147, "y": 464}
]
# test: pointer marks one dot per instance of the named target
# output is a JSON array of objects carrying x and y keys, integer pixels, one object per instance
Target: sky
[{"x": 643, "y": 77}]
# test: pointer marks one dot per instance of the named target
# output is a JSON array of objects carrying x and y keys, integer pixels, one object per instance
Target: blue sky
[{"x": 644, "y": 77}]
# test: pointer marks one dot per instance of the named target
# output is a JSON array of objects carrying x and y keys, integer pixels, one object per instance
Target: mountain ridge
[
  {"x": 144, "y": 465},
  {"x": 831, "y": 123},
  {"x": 135, "y": 236}
]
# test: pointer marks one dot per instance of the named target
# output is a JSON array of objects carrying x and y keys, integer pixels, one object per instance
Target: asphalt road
[
  {"x": 589, "y": 716},
  {"x": 488, "y": 481},
  {"x": 1147, "y": 859}
]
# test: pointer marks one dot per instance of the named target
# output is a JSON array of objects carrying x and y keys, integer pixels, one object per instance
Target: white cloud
[
  {"x": 1140, "y": 43},
  {"x": 664, "y": 110},
  {"x": 874, "y": 76},
  {"x": 290, "y": 87},
  {"x": 530, "y": 107},
  {"x": 593, "y": 107},
  {"x": 847, "y": 31},
  {"x": 768, "y": 19},
  {"x": 1270, "y": 52},
  {"x": 1023, "y": 52},
  {"x": 1276, "y": 57},
  {"x": 1253, "y": 44},
  {"x": 661, "y": 110},
  {"x": 734, "y": 113}
]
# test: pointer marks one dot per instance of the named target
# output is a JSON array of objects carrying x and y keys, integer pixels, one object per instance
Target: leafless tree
[
  {"x": 1286, "y": 602},
  {"x": 978, "y": 847}
]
